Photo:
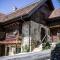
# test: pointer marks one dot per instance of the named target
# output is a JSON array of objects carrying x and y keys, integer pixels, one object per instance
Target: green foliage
[
  {"x": 33, "y": 44},
  {"x": 46, "y": 45},
  {"x": 25, "y": 48}
]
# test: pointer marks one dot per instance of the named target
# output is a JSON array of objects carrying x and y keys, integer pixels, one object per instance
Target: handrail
[{"x": 43, "y": 38}]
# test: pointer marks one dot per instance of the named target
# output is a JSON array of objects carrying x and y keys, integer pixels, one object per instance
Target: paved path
[{"x": 43, "y": 55}]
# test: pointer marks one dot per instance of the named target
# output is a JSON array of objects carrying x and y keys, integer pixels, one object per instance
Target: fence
[{"x": 44, "y": 55}]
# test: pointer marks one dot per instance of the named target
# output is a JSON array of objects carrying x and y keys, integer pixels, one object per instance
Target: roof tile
[
  {"x": 20, "y": 12},
  {"x": 2, "y": 16},
  {"x": 55, "y": 13}
]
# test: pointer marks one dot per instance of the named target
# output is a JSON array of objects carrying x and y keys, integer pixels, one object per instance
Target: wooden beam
[{"x": 55, "y": 26}]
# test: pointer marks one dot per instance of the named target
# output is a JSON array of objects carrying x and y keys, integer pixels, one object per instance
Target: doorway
[
  {"x": 2, "y": 50},
  {"x": 43, "y": 33}
]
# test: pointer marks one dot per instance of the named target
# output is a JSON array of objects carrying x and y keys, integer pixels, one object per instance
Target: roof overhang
[
  {"x": 26, "y": 15},
  {"x": 54, "y": 19}
]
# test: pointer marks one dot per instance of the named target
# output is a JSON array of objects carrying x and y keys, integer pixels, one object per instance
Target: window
[
  {"x": 2, "y": 35},
  {"x": 11, "y": 34}
]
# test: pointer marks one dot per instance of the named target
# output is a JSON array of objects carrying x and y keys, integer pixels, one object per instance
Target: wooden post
[
  {"x": 40, "y": 32},
  {"x": 5, "y": 50}
]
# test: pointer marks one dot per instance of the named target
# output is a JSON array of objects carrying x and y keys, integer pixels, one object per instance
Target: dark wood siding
[{"x": 41, "y": 15}]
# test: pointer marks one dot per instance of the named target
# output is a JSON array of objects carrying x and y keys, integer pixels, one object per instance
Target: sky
[
  {"x": 56, "y": 4},
  {"x": 6, "y": 6}
]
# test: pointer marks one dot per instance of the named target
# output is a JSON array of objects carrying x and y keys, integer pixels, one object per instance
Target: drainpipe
[
  {"x": 21, "y": 34},
  {"x": 29, "y": 38}
]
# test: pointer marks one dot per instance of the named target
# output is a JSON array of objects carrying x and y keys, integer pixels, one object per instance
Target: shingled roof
[
  {"x": 21, "y": 12},
  {"x": 55, "y": 13},
  {"x": 2, "y": 16},
  {"x": 24, "y": 11}
]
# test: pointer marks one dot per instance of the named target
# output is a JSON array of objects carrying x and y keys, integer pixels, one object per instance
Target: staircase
[{"x": 39, "y": 48}]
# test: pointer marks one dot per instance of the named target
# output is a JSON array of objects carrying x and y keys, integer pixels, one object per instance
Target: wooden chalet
[
  {"x": 24, "y": 27},
  {"x": 54, "y": 25}
]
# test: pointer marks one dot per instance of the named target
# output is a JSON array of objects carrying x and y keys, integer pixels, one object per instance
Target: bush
[
  {"x": 46, "y": 45},
  {"x": 25, "y": 48}
]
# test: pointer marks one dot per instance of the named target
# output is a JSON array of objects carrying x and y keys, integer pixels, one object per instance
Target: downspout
[
  {"x": 21, "y": 34},
  {"x": 29, "y": 37}
]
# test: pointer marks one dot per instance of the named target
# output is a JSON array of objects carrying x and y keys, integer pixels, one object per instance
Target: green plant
[
  {"x": 26, "y": 48},
  {"x": 33, "y": 44},
  {"x": 46, "y": 45}
]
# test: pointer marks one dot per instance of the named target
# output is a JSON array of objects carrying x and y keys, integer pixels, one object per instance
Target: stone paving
[{"x": 44, "y": 55}]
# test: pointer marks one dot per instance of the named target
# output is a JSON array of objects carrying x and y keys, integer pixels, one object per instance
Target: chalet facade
[
  {"x": 54, "y": 25},
  {"x": 25, "y": 29}
]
